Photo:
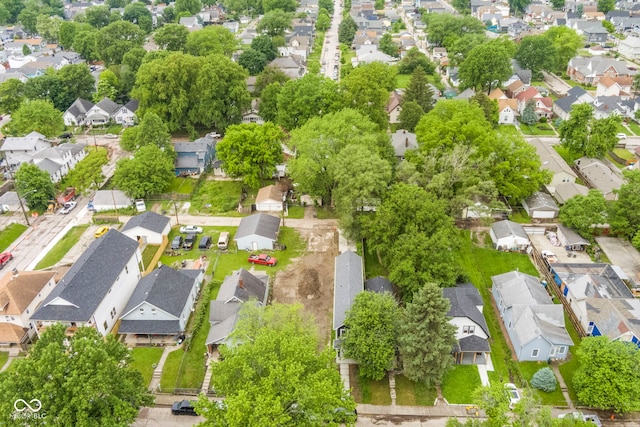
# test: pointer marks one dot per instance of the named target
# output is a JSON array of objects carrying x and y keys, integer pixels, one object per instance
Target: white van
[{"x": 223, "y": 240}]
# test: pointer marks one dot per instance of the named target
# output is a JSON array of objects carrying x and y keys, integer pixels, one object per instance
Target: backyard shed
[
  {"x": 540, "y": 206},
  {"x": 508, "y": 235},
  {"x": 258, "y": 231}
]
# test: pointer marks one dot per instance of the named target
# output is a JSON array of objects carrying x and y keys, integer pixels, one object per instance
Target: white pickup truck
[{"x": 68, "y": 207}]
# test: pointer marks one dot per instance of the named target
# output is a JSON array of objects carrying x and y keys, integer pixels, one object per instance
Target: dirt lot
[{"x": 309, "y": 279}]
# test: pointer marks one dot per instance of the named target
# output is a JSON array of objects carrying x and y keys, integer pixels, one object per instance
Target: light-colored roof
[
  {"x": 599, "y": 175},
  {"x": 270, "y": 192},
  {"x": 550, "y": 158},
  {"x": 17, "y": 291},
  {"x": 11, "y": 333},
  {"x": 520, "y": 288},
  {"x": 595, "y": 280},
  {"x": 402, "y": 141},
  {"x": 572, "y": 237},
  {"x": 615, "y": 317},
  {"x": 508, "y": 228},
  {"x": 529, "y": 322},
  {"x": 566, "y": 190},
  {"x": 540, "y": 201}
]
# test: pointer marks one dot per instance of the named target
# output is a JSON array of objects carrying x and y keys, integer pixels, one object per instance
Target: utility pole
[{"x": 24, "y": 212}]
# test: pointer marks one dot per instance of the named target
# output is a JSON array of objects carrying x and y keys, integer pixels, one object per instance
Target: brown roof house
[
  {"x": 394, "y": 107},
  {"x": 269, "y": 198}
]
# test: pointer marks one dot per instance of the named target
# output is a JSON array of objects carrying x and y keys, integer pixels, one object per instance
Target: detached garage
[
  {"x": 258, "y": 231},
  {"x": 509, "y": 236},
  {"x": 269, "y": 198},
  {"x": 148, "y": 228},
  {"x": 541, "y": 206}
]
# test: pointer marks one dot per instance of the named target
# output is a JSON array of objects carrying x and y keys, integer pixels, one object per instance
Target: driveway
[{"x": 620, "y": 252}]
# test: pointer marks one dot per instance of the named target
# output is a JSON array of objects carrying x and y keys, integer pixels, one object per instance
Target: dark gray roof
[
  {"x": 159, "y": 327},
  {"x": 348, "y": 282},
  {"x": 594, "y": 280},
  {"x": 49, "y": 166},
  {"x": 80, "y": 107},
  {"x": 508, "y": 228},
  {"x": 200, "y": 145},
  {"x": 465, "y": 300},
  {"x": 164, "y": 288},
  {"x": 540, "y": 201},
  {"x": 473, "y": 343},
  {"x": 89, "y": 279},
  {"x": 73, "y": 148},
  {"x": 243, "y": 286},
  {"x": 108, "y": 105},
  {"x": 572, "y": 237},
  {"x": 149, "y": 221},
  {"x": 379, "y": 284},
  {"x": 222, "y": 320},
  {"x": 187, "y": 162},
  {"x": 132, "y": 105},
  {"x": 565, "y": 103},
  {"x": 261, "y": 224}
]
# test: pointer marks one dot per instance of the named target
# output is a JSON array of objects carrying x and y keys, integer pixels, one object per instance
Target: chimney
[
  {"x": 240, "y": 283},
  {"x": 406, "y": 142}
]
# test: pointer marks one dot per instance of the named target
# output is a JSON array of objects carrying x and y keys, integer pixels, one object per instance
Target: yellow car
[{"x": 101, "y": 231}]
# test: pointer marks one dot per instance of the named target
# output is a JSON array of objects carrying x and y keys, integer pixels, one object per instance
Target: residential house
[
  {"x": 20, "y": 149},
  {"x": 109, "y": 200},
  {"x": 617, "y": 319},
  {"x": 232, "y": 26},
  {"x": 535, "y": 324},
  {"x": 348, "y": 283},
  {"x": 508, "y": 236},
  {"x": 369, "y": 54},
  {"x": 96, "y": 289},
  {"x": 466, "y": 94},
  {"x": 238, "y": 288},
  {"x": 566, "y": 190},
  {"x": 571, "y": 240},
  {"x": 508, "y": 111},
  {"x": 590, "y": 70},
  {"x": 394, "y": 106},
  {"x": 543, "y": 105},
  {"x": 593, "y": 31},
  {"x": 614, "y": 86},
  {"x": 438, "y": 53},
  {"x": 191, "y": 23},
  {"x": 253, "y": 115},
  {"x": 148, "y": 228},
  {"x": 575, "y": 95},
  {"x": 58, "y": 161},
  {"x": 102, "y": 112},
  {"x": 21, "y": 292},
  {"x": 598, "y": 175},
  {"x": 292, "y": 66},
  {"x": 16, "y": 46},
  {"x": 126, "y": 114},
  {"x": 541, "y": 206},
  {"x": 379, "y": 285},
  {"x": 519, "y": 73},
  {"x": 270, "y": 198},
  {"x": 466, "y": 315},
  {"x": 195, "y": 156},
  {"x": 515, "y": 88},
  {"x": 497, "y": 94},
  {"x": 161, "y": 305},
  {"x": 257, "y": 231},
  {"x": 402, "y": 141},
  {"x": 553, "y": 162},
  {"x": 630, "y": 48},
  {"x": 364, "y": 38},
  {"x": 607, "y": 106},
  {"x": 76, "y": 114}
]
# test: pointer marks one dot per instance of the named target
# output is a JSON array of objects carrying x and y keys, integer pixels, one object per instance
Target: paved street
[{"x": 331, "y": 45}]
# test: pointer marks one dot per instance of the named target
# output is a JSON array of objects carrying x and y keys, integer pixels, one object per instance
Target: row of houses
[{"x": 86, "y": 113}]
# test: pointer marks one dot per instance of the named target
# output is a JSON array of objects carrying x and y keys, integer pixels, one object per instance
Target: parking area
[
  {"x": 621, "y": 253},
  {"x": 542, "y": 243}
]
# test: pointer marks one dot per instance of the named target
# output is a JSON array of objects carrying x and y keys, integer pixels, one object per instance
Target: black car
[
  {"x": 205, "y": 243},
  {"x": 176, "y": 243},
  {"x": 190, "y": 241},
  {"x": 183, "y": 407}
]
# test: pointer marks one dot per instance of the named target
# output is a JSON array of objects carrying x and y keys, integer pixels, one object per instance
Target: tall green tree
[
  {"x": 582, "y": 213},
  {"x": 264, "y": 44},
  {"x": 66, "y": 34},
  {"x": 388, "y": 46},
  {"x": 148, "y": 172},
  {"x": 251, "y": 152},
  {"x": 35, "y": 186},
  {"x": 487, "y": 65},
  {"x": 566, "y": 42},
  {"x": 410, "y": 115},
  {"x": 370, "y": 336},
  {"x": 462, "y": 6},
  {"x": 150, "y": 131},
  {"x": 425, "y": 336},
  {"x": 347, "y": 30},
  {"x": 275, "y": 23},
  {"x": 419, "y": 91},
  {"x": 518, "y": 7},
  {"x": 584, "y": 134},
  {"x": 92, "y": 372},
  {"x": 253, "y": 61},
  {"x": 605, "y": 6},
  {"x": 608, "y": 376},
  {"x": 97, "y": 16},
  {"x": 138, "y": 14},
  {"x": 11, "y": 95},
  {"x": 529, "y": 116},
  {"x": 625, "y": 216},
  {"x": 270, "y": 75},
  {"x": 190, "y": 6},
  {"x": 489, "y": 107},
  {"x": 444, "y": 29},
  {"x": 305, "y": 98},
  {"x": 268, "y": 106},
  {"x": 77, "y": 81},
  {"x": 272, "y": 373},
  {"x": 213, "y": 39},
  {"x": 536, "y": 53},
  {"x": 285, "y": 5},
  {"x": 87, "y": 173},
  {"x": 84, "y": 42},
  {"x": 40, "y": 116},
  {"x": 116, "y": 39},
  {"x": 413, "y": 59},
  {"x": 108, "y": 85}
]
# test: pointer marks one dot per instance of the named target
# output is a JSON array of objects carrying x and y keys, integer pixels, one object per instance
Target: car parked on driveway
[
  {"x": 621, "y": 136},
  {"x": 5, "y": 257},
  {"x": 190, "y": 229},
  {"x": 262, "y": 259},
  {"x": 183, "y": 407},
  {"x": 177, "y": 242},
  {"x": 101, "y": 231},
  {"x": 189, "y": 241}
]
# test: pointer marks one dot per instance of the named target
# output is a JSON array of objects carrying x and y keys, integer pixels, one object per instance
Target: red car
[
  {"x": 262, "y": 259},
  {"x": 5, "y": 257}
]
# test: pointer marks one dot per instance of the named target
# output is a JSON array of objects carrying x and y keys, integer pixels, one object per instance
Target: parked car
[
  {"x": 205, "y": 243},
  {"x": 101, "y": 231},
  {"x": 590, "y": 418},
  {"x": 621, "y": 135},
  {"x": 183, "y": 407},
  {"x": 176, "y": 243},
  {"x": 68, "y": 207},
  {"x": 5, "y": 257},
  {"x": 514, "y": 394},
  {"x": 189, "y": 241},
  {"x": 262, "y": 259},
  {"x": 190, "y": 229}
]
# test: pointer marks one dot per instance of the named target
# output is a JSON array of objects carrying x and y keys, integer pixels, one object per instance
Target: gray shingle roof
[
  {"x": 261, "y": 224},
  {"x": 533, "y": 321},
  {"x": 159, "y": 327},
  {"x": 132, "y": 105},
  {"x": 108, "y": 105},
  {"x": 79, "y": 108},
  {"x": 473, "y": 343},
  {"x": 614, "y": 317},
  {"x": 567, "y": 190},
  {"x": 539, "y": 201},
  {"x": 379, "y": 284},
  {"x": 572, "y": 237},
  {"x": 200, "y": 145},
  {"x": 89, "y": 279},
  {"x": 49, "y": 166},
  {"x": 149, "y": 221},
  {"x": 599, "y": 175},
  {"x": 464, "y": 300},
  {"x": 348, "y": 283},
  {"x": 520, "y": 288},
  {"x": 594, "y": 280},
  {"x": 508, "y": 228},
  {"x": 222, "y": 320},
  {"x": 243, "y": 286}
]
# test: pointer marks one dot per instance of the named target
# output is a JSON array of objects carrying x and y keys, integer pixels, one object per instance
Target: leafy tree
[
  {"x": 285, "y": 5},
  {"x": 116, "y": 39},
  {"x": 150, "y": 131},
  {"x": 107, "y": 86},
  {"x": 518, "y": 6},
  {"x": 138, "y": 14},
  {"x": 413, "y": 59},
  {"x": 5, "y": 15},
  {"x": 347, "y": 30},
  {"x": 388, "y": 46},
  {"x": 66, "y": 34},
  {"x": 274, "y": 373},
  {"x": 213, "y": 39},
  {"x": 301, "y": 99},
  {"x": 460, "y": 48},
  {"x": 84, "y": 43},
  {"x": 49, "y": 27},
  {"x": 609, "y": 27},
  {"x": 536, "y": 53},
  {"x": 425, "y": 336},
  {"x": 252, "y": 61},
  {"x": 529, "y": 116},
  {"x": 583, "y": 134},
  {"x": 92, "y": 373},
  {"x": 87, "y": 174},
  {"x": 494, "y": 400},
  {"x": 265, "y": 45},
  {"x": 29, "y": 16},
  {"x": 251, "y": 152},
  {"x": 443, "y": 29},
  {"x": 270, "y": 75},
  {"x": 148, "y": 172},
  {"x": 11, "y": 95},
  {"x": 625, "y": 216},
  {"x": 326, "y": 5},
  {"x": 97, "y": 16},
  {"x": 605, "y": 6},
  {"x": 190, "y": 6},
  {"x": 35, "y": 186},
  {"x": 370, "y": 335},
  {"x": 323, "y": 23},
  {"x": 38, "y": 115},
  {"x": 566, "y": 42},
  {"x": 115, "y": 4},
  {"x": 131, "y": 62},
  {"x": 579, "y": 10},
  {"x": 275, "y": 23},
  {"x": 268, "y": 106},
  {"x": 544, "y": 379},
  {"x": 419, "y": 91},
  {"x": 462, "y": 6},
  {"x": 77, "y": 81},
  {"x": 249, "y": 7},
  {"x": 583, "y": 212},
  {"x": 169, "y": 14},
  {"x": 608, "y": 376},
  {"x": 410, "y": 115},
  {"x": 487, "y": 65},
  {"x": 489, "y": 107}
]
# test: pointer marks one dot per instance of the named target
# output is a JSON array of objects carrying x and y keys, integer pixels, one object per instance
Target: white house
[
  {"x": 126, "y": 114},
  {"x": 508, "y": 235},
  {"x": 20, "y": 149},
  {"x": 21, "y": 292},
  {"x": 394, "y": 107},
  {"x": 571, "y": 240},
  {"x": 257, "y": 231},
  {"x": 148, "y": 228},
  {"x": 554, "y": 163},
  {"x": 269, "y": 198},
  {"x": 76, "y": 114},
  {"x": 109, "y": 200},
  {"x": 540, "y": 206},
  {"x": 96, "y": 289},
  {"x": 507, "y": 111},
  {"x": 102, "y": 112},
  {"x": 630, "y": 47},
  {"x": 58, "y": 161}
]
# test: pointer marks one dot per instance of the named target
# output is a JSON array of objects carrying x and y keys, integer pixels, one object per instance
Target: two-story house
[
  {"x": 20, "y": 149},
  {"x": 195, "y": 156}
]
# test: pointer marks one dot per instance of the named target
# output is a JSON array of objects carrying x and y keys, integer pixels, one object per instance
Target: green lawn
[
  {"x": 143, "y": 360},
  {"x": 326, "y": 213},
  {"x": 412, "y": 394},
  {"x": 4, "y": 356},
  {"x": 520, "y": 216},
  {"x": 508, "y": 130},
  {"x": 624, "y": 154},
  {"x": 634, "y": 127},
  {"x": 372, "y": 266},
  {"x": 622, "y": 129},
  {"x": 567, "y": 155},
  {"x": 148, "y": 254},
  {"x": 402, "y": 80},
  {"x": 182, "y": 185},
  {"x": 10, "y": 234},
  {"x": 537, "y": 129},
  {"x": 555, "y": 398},
  {"x": 459, "y": 384},
  {"x": 296, "y": 212},
  {"x": 612, "y": 160},
  {"x": 371, "y": 392},
  {"x": 62, "y": 247},
  {"x": 567, "y": 369},
  {"x": 216, "y": 197}
]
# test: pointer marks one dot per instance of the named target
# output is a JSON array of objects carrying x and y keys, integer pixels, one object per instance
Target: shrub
[
  {"x": 543, "y": 119},
  {"x": 544, "y": 380}
]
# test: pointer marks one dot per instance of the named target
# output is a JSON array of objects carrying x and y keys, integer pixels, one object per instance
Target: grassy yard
[
  {"x": 402, "y": 80},
  {"x": 555, "y": 398},
  {"x": 372, "y": 266},
  {"x": 537, "y": 129},
  {"x": 412, "y": 394},
  {"x": 371, "y": 392},
  {"x": 148, "y": 254},
  {"x": 508, "y": 130},
  {"x": 216, "y": 197},
  {"x": 520, "y": 216},
  {"x": 567, "y": 155},
  {"x": 326, "y": 213},
  {"x": 567, "y": 369},
  {"x": 622, "y": 129},
  {"x": 296, "y": 212},
  {"x": 634, "y": 127},
  {"x": 459, "y": 384},
  {"x": 62, "y": 247},
  {"x": 624, "y": 154},
  {"x": 182, "y": 185},
  {"x": 143, "y": 360},
  {"x": 10, "y": 234},
  {"x": 4, "y": 356},
  {"x": 612, "y": 160}
]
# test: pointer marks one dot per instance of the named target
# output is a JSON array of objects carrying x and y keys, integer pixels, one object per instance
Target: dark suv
[
  {"x": 176, "y": 243},
  {"x": 190, "y": 241},
  {"x": 183, "y": 407},
  {"x": 205, "y": 243}
]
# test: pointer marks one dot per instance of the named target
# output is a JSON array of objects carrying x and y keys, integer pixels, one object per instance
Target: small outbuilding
[
  {"x": 148, "y": 228},
  {"x": 109, "y": 200},
  {"x": 269, "y": 198},
  {"x": 258, "y": 231},
  {"x": 541, "y": 206},
  {"x": 570, "y": 239},
  {"x": 509, "y": 236}
]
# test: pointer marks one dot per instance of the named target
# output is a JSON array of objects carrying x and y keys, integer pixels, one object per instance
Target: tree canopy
[
  {"x": 116, "y": 39},
  {"x": 487, "y": 65},
  {"x": 171, "y": 37},
  {"x": 582, "y": 213},
  {"x": 566, "y": 42},
  {"x": 87, "y": 173},
  {"x": 148, "y": 172},
  {"x": 34, "y": 185},
  {"x": 305, "y": 98},
  {"x": 625, "y": 211},
  {"x": 583, "y": 134},
  {"x": 443, "y": 29},
  {"x": 536, "y": 53},
  {"x": 275, "y": 23},
  {"x": 419, "y": 91},
  {"x": 213, "y": 39},
  {"x": 38, "y": 115}
]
